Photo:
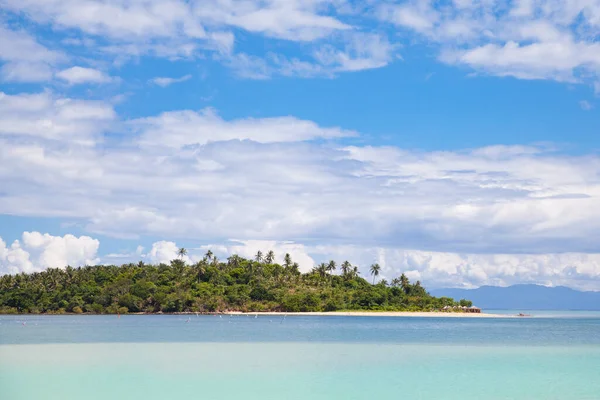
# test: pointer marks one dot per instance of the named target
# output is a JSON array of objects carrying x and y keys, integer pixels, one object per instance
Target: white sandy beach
[{"x": 378, "y": 314}]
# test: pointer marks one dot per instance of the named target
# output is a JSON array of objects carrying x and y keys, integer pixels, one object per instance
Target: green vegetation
[{"x": 210, "y": 285}]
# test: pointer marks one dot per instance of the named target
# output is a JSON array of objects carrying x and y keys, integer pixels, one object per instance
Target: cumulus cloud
[
  {"x": 249, "y": 248},
  {"x": 498, "y": 199},
  {"x": 47, "y": 116},
  {"x": 209, "y": 179},
  {"x": 165, "y": 81},
  {"x": 164, "y": 252},
  {"x": 36, "y": 252},
  {"x": 446, "y": 269},
  {"x": 80, "y": 75},
  {"x": 193, "y": 174},
  {"x": 25, "y": 60},
  {"x": 190, "y": 127},
  {"x": 433, "y": 269}
]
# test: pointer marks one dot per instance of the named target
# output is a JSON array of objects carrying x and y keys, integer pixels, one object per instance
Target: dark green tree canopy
[{"x": 238, "y": 284}]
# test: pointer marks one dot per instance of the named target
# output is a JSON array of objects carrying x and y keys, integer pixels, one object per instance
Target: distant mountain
[{"x": 525, "y": 297}]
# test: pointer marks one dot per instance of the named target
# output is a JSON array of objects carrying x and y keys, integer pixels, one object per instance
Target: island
[{"x": 235, "y": 285}]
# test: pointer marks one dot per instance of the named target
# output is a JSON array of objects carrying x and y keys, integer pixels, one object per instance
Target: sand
[{"x": 379, "y": 314}]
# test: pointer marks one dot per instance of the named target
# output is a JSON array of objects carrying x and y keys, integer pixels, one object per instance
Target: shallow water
[{"x": 165, "y": 357}]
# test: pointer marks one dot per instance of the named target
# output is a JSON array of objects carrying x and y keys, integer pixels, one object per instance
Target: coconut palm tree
[
  {"x": 208, "y": 256},
  {"x": 182, "y": 252},
  {"x": 270, "y": 257},
  {"x": 404, "y": 283},
  {"x": 321, "y": 270},
  {"x": 200, "y": 268},
  {"x": 234, "y": 261},
  {"x": 331, "y": 266},
  {"x": 346, "y": 268},
  {"x": 259, "y": 256},
  {"x": 287, "y": 260},
  {"x": 375, "y": 268}
]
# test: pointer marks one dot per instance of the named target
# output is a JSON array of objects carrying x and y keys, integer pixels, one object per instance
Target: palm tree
[
  {"x": 234, "y": 261},
  {"x": 331, "y": 266},
  {"x": 259, "y": 256},
  {"x": 182, "y": 252},
  {"x": 200, "y": 268},
  {"x": 287, "y": 260},
  {"x": 321, "y": 269},
  {"x": 404, "y": 283},
  {"x": 346, "y": 269},
  {"x": 375, "y": 268},
  {"x": 295, "y": 270},
  {"x": 208, "y": 256},
  {"x": 270, "y": 257}
]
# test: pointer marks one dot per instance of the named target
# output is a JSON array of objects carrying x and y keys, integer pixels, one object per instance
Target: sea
[{"x": 552, "y": 355}]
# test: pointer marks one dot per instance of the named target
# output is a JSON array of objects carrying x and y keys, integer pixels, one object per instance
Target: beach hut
[{"x": 474, "y": 309}]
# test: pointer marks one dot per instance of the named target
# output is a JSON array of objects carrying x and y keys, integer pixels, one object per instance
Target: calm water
[{"x": 165, "y": 357}]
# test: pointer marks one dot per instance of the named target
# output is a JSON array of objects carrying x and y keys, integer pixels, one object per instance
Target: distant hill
[{"x": 526, "y": 297}]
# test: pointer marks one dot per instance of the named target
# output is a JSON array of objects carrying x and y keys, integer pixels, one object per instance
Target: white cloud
[
  {"x": 249, "y": 248},
  {"x": 25, "y": 60},
  {"x": 355, "y": 52},
  {"x": 446, "y": 269},
  {"x": 433, "y": 269},
  {"x": 165, "y": 81},
  {"x": 14, "y": 259},
  {"x": 114, "y": 18},
  {"x": 362, "y": 51},
  {"x": 26, "y": 72},
  {"x": 194, "y": 178},
  {"x": 419, "y": 16},
  {"x": 36, "y": 252},
  {"x": 291, "y": 20},
  {"x": 189, "y": 127},
  {"x": 80, "y": 75},
  {"x": 120, "y": 19},
  {"x": 164, "y": 252},
  {"x": 44, "y": 115},
  {"x": 545, "y": 39},
  {"x": 179, "y": 28},
  {"x": 546, "y": 60}
]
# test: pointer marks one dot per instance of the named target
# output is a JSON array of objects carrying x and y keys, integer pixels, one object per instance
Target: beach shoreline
[
  {"x": 419, "y": 314},
  {"x": 375, "y": 314}
]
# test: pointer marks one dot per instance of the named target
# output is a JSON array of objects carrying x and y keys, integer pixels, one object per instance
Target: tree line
[{"x": 212, "y": 285}]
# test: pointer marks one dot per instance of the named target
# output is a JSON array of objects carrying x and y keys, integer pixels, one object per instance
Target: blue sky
[{"x": 453, "y": 140}]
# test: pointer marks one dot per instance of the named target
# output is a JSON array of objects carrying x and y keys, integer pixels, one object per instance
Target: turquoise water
[{"x": 165, "y": 357}]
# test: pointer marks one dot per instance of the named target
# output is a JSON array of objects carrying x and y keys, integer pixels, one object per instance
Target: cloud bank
[{"x": 36, "y": 252}]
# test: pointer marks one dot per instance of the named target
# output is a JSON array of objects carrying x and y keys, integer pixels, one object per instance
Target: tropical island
[{"x": 214, "y": 286}]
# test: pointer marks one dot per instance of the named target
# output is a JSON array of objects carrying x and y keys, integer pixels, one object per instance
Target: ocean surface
[{"x": 550, "y": 356}]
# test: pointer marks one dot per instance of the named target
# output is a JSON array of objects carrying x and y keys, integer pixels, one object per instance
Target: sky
[{"x": 455, "y": 141}]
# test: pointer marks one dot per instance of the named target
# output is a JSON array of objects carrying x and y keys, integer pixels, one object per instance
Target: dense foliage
[{"x": 211, "y": 286}]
